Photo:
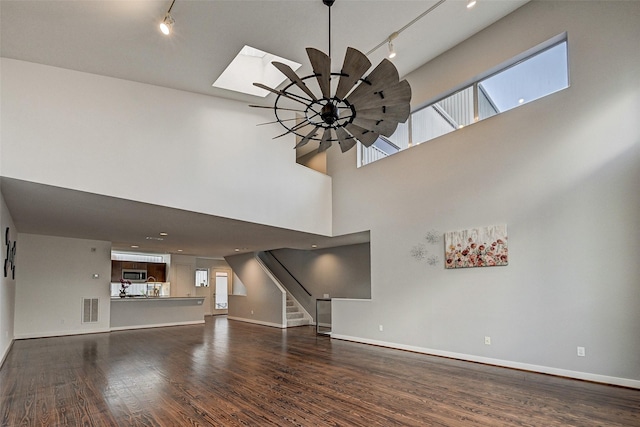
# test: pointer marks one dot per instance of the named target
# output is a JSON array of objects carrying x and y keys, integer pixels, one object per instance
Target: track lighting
[
  {"x": 167, "y": 23},
  {"x": 471, "y": 3},
  {"x": 392, "y": 51}
]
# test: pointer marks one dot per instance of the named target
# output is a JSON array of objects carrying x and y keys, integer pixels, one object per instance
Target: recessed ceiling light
[
  {"x": 237, "y": 250},
  {"x": 135, "y": 246},
  {"x": 154, "y": 238},
  {"x": 520, "y": 101},
  {"x": 252, "y": 65},
  {"x": 471, "y": 3},
  {"x": 179, "y": 250},
  {"x": 314, "y": 246},
  {"x": 164, "y": 234}
]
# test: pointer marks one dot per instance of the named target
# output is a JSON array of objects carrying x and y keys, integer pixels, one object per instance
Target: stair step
[
  {"x": 296, "y": 315},
  {"x": 292, "y": 309}
]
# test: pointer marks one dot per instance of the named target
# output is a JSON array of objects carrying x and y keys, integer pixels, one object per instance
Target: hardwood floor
[{"x": 228, "y": 373}]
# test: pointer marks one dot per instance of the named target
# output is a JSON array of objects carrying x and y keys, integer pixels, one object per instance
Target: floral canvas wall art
[{"x": 476, "y": 247}]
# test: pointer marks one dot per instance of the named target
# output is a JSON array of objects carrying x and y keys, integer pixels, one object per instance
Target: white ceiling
[{"x": 121, "y": 39}]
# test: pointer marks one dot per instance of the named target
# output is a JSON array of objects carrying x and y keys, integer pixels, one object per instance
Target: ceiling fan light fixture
[{"x": 356, "y": 108}]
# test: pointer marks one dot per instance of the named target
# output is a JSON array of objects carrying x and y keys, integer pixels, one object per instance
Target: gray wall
[
  {"x": 341, "y": 272},
  {"x": 55, "y": 274},
  {"x": 562, "y": 172},
  {"x": 264, "y": 300}
]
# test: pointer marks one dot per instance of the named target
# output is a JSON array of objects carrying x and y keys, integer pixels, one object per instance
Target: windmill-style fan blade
[
  {"x": 321, "y": 65},
  {"x": 385, "y": 74},
  {"x": 326, "y": 141},
  {"x": 345, "y": 140},
  {"x": 383, "y": 127},
  {"x": 279, "y": 92},
  {"x": 276, "y": 108},
  {"x": 291, "y": 75},
  {"x": 277, "y": 121},
  {"x": 307, "y": 138},
  {"x": 292, "y": 129},
  {"x": 355, "y": 65},
  {"x": 397, "y": 113},
  {"x": 366, "y": 137},
  {"x": 397, "y": 94}
]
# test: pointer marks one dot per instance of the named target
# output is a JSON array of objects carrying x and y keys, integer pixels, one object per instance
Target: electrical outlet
[
  {"x": 581, "y": 352},
  {"x": 487, "y": 340},
  {"x": 380, "y": 328},
  {"x": 326, "y": 296}
]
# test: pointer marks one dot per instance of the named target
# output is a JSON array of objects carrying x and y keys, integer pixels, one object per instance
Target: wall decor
[
  {"x": 420, "y": 252},
  {"x": 476, "y": 247},
  {"x": 9, "y": 260}
]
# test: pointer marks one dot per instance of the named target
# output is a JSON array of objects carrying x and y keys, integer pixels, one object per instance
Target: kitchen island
[{"x": 153, "y": 312}]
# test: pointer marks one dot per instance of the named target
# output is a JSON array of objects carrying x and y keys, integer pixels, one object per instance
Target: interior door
[{"x": 221, "y": 283}]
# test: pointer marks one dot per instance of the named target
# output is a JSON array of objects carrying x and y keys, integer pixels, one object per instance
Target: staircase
[{"x": 295, "y": 315}]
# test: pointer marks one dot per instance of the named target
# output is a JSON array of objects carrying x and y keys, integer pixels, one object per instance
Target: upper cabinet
[{"x": 155, "y": 270}]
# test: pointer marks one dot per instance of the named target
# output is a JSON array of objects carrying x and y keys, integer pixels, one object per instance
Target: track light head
[
  {"x": 390, "y": 39},
  {"x": 167, "y": 24},
  {"x": 392, "y": 51}
]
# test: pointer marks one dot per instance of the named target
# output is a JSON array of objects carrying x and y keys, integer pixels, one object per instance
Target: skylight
[{"x": 249, "y": 66}]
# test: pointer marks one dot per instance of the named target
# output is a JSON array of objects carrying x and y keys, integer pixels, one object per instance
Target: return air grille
[{"x": 89, "y": 310}]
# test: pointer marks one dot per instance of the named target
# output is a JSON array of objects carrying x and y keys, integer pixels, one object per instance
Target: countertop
[{"x": 155, "y": 298}]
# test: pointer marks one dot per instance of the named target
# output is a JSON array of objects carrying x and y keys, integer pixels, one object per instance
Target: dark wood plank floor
[{"x": 227, "y": 373}]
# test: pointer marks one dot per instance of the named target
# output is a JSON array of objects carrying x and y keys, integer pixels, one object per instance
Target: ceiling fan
[{"x": 361, "y": 108}]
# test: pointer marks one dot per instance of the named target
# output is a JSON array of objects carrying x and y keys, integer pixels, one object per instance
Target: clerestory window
[{"x": 519, "y": 82}]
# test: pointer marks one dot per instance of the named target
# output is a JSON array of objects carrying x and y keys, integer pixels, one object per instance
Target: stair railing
[{"x": 288, "y": 272}]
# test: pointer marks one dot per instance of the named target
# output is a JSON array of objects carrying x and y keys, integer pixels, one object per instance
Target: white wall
[
  {"x": 94, "y": 133},
  {"x": 562, "y": 172},
  {"x": 55, "y": 274},
  {"x": 7, "y": 284}
]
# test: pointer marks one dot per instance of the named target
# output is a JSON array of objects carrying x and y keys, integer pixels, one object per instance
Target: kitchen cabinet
[
  {"x": 157, "y": 270},
  {"x": 116, "y": 271},
  {"x": 130, "y": 265}
]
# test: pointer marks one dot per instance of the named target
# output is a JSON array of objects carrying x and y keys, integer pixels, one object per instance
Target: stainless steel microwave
[{"x": 134, "y": 276}]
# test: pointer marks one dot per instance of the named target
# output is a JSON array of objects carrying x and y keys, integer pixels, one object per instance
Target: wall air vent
[{"x": 89, "y": 310}]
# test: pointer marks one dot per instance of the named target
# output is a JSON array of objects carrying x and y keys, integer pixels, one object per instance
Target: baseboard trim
[
  {"x": 6, "y": 353},
  {"x": 257, "y": 322},
  {"x": 585, "y": 376},
  {"x": 157, "y": 325},
  {"x": 59, "y": 334}
]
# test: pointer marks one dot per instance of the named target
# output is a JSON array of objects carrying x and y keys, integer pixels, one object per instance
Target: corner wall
[
  {"x": 55, "y": 274},
  {"x": 7, "y": 284},
  {"x": 340, "y": 272},
  {"x": 263, "y": 302},
  {"x": 562, "y": 173}
]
